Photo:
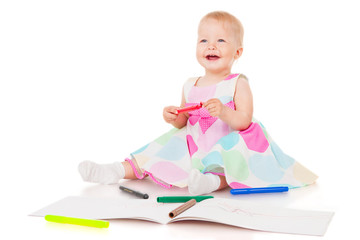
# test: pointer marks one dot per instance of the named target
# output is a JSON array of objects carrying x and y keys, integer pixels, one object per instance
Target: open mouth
[{"x": 212, "y": 57}]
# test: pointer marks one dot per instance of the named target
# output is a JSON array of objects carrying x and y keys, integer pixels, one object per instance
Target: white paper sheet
[{"x": 221, "y": 210}]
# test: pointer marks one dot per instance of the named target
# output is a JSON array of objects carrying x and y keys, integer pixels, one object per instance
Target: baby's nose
[{"x": 211, "y": 47}]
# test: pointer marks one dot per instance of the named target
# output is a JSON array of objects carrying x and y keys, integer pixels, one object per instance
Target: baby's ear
[{"x": 238, "y": 53}]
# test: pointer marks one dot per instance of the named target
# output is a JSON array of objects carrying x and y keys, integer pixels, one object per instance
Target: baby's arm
[
  {"x": 171, "y": 116},
  {"x": 240, "y": 118}
]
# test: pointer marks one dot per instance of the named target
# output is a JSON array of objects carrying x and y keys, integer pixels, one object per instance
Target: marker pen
[{"x": 136, "y": 193}]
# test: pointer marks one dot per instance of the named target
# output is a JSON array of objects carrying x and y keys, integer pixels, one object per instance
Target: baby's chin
[{"x": 212, "y": 64}]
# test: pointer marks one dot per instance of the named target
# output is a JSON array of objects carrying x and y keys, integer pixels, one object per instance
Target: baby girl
[{"x": 217, "y": 145}]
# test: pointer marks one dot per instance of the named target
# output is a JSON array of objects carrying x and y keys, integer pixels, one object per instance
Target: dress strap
[
  {"x": 188, "y": 85},
  {"x": 228, "y": 88}
]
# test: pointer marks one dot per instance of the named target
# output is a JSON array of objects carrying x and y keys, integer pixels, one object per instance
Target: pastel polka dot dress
[{"x": 248, "y": 158}]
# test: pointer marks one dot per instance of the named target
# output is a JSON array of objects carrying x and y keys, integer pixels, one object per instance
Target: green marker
[
  {"x": 77, "y": 221},
  {"x": 176, "y": 199}
]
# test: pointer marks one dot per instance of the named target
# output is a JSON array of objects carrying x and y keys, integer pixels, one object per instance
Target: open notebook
[{"x": 220, "y": 210}]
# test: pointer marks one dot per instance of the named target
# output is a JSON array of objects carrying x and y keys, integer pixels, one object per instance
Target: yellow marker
[{"x": 77, "y": 221}]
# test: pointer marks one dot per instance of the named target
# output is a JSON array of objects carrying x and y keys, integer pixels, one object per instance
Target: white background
[{"x": 86, "y": 80}]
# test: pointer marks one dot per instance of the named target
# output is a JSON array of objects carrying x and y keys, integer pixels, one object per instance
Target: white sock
[
  {"x": 101, "y": 173},
  {"x": 199, "y": 183}
]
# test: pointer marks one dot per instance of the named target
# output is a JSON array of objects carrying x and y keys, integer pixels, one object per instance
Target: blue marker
[{"x": 259, "y": 190}]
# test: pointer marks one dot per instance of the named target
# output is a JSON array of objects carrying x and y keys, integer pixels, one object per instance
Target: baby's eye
[
  {"x": 203, "y": 40},
  {"x": 221, "y": 40}
]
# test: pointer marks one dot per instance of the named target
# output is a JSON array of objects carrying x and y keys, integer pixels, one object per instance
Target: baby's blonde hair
[{"x": 222, "y": 16}]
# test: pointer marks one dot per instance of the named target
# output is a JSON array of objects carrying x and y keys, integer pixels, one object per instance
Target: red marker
[{"x": 191, "y": 108}]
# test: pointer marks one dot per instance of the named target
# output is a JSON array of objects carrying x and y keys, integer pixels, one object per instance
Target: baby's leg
[
  {"x": 129, "y": 171},
  {"x": 205, "y": 183},
  {"x": 106, "y": 173}
]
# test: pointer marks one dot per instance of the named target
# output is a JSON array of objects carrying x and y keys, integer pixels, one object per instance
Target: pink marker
[{"x": 191, "y": 108}]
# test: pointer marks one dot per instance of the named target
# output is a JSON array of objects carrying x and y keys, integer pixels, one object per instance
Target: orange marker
[{"x": 182, "y": 208}]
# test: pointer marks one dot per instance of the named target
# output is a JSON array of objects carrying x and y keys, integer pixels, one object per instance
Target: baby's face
[{"x": 217, "y": 48}]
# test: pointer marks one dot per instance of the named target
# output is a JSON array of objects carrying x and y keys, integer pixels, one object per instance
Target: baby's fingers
[{"x": 171, "y": 110}]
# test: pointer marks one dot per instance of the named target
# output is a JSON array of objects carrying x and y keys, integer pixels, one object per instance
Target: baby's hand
[
  {"x": 170, "y": 114},
  {"x": 214, "y": 107}
]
